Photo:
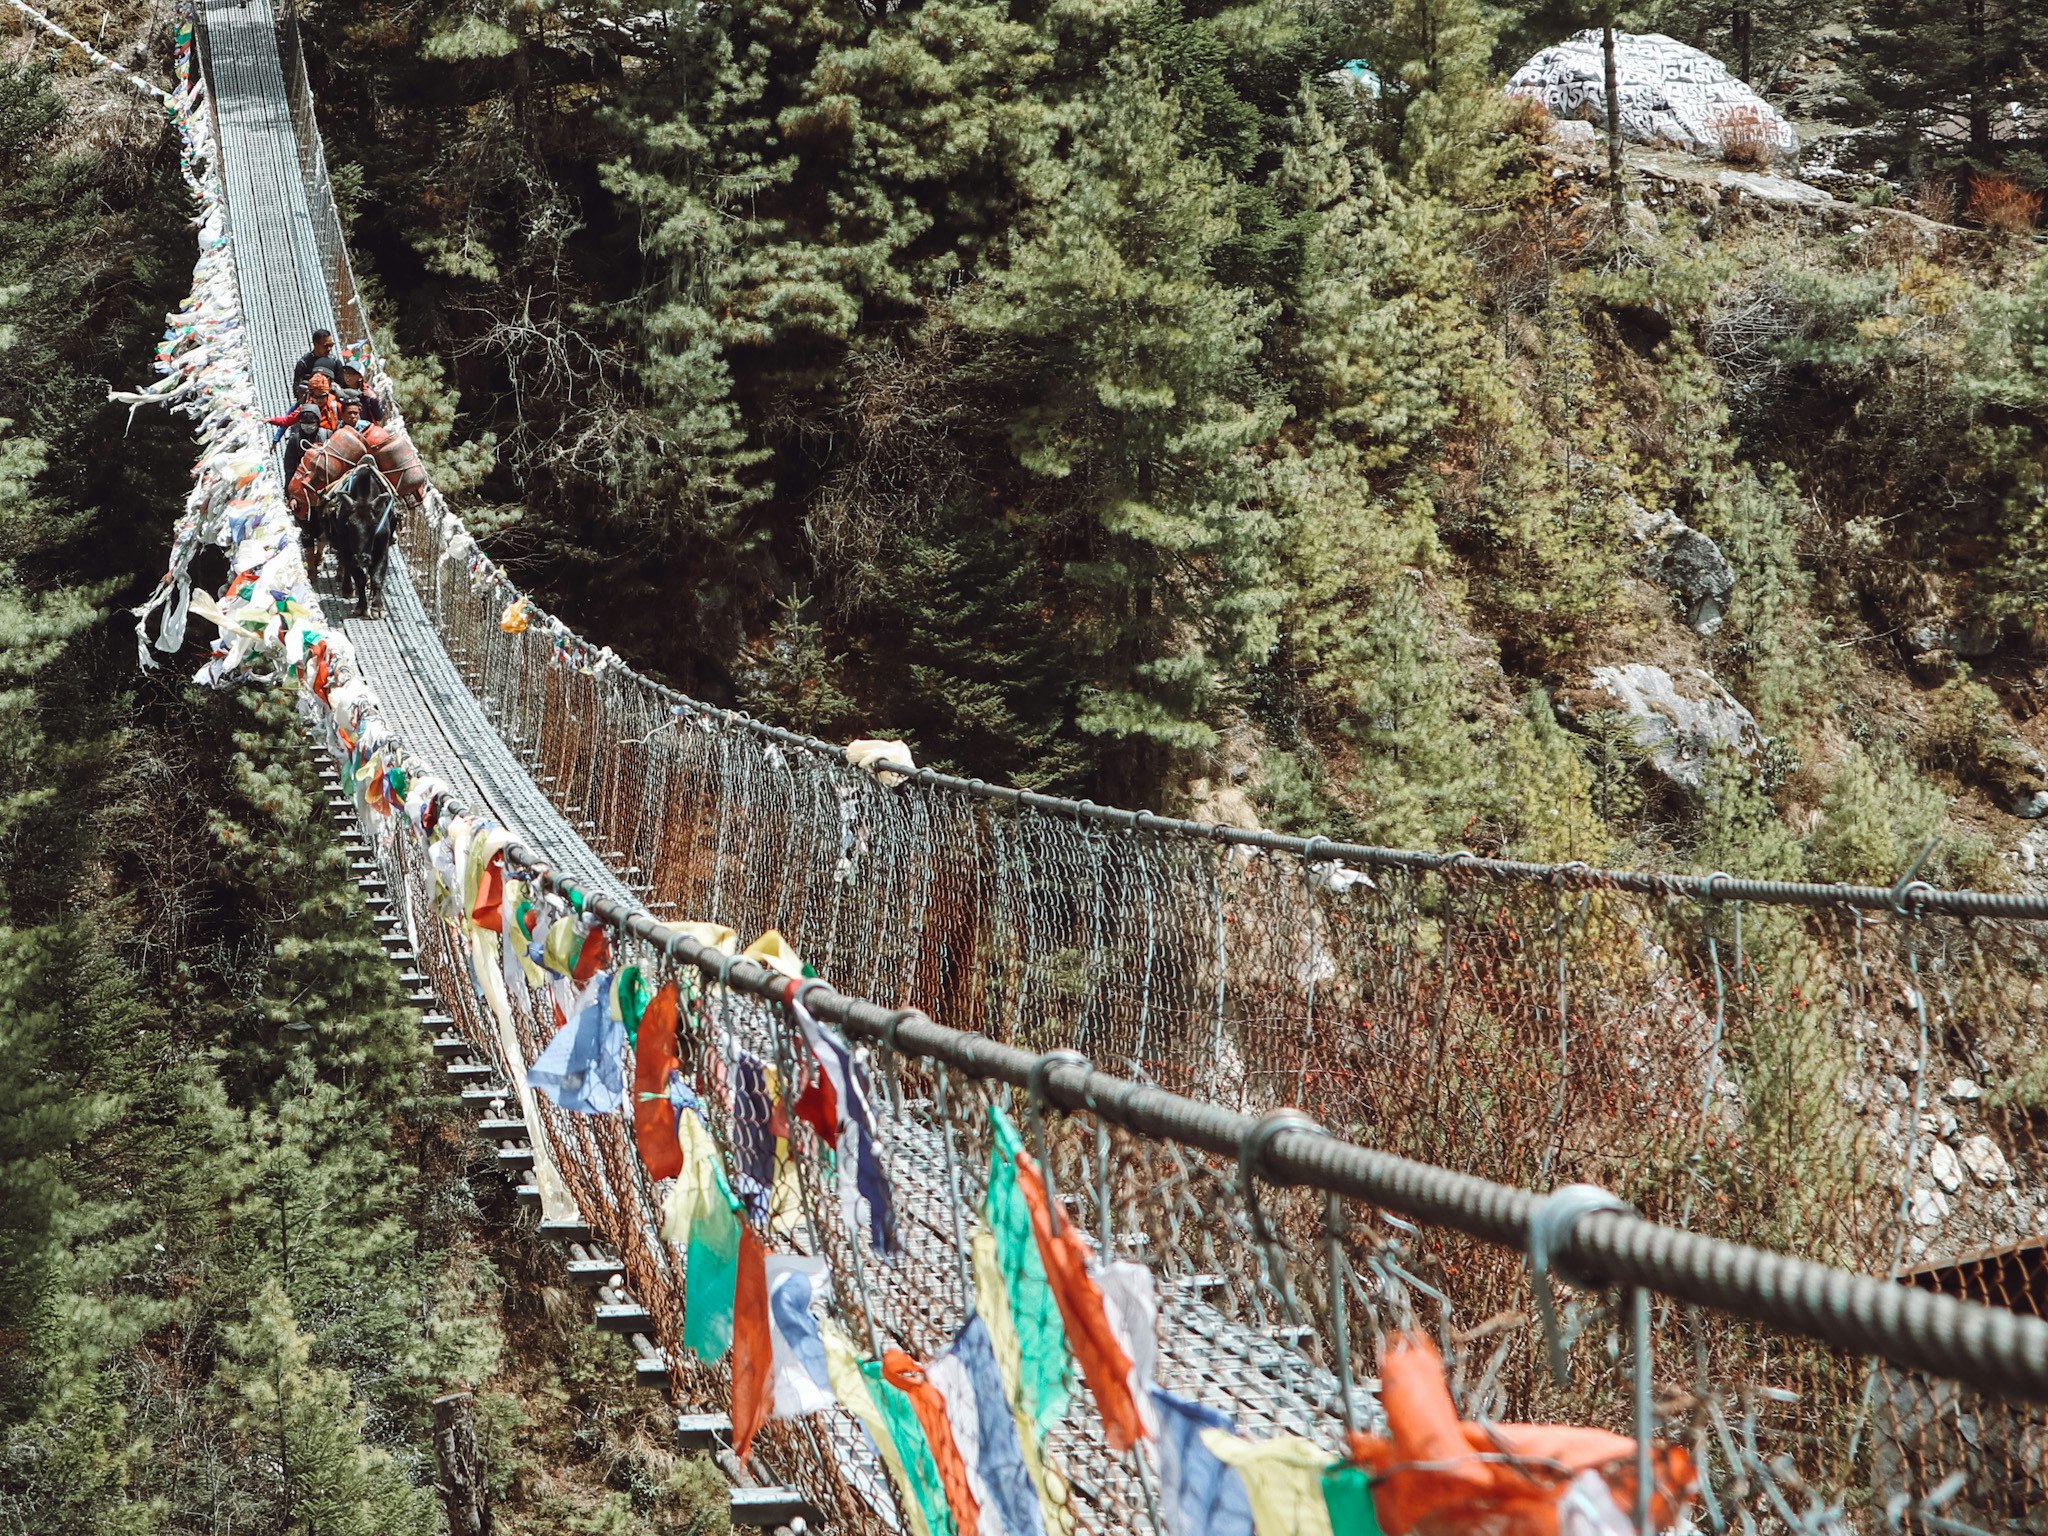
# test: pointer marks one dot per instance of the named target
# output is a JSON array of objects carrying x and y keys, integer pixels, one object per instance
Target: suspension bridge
[{"x": 1818, "y": 1269}]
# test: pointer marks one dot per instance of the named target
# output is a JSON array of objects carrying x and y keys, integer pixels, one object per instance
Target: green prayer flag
[
  {"x": 1347, "y": 1494},
  {"x": 1046, "y": 1367},
  {"x": 702, "y": 1214},
  {"x": 631, "y": 995},
  {"x": 920, "y": 1469}
]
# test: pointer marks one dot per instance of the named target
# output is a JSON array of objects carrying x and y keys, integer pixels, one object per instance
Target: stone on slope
[
  {"x": 1670, "y": 94},
  {"x": 1681, "y": 558},
  {"x": 1679, "y": 722}
]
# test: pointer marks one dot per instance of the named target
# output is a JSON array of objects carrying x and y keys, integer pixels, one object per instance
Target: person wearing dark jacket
[
  {"x": 321, "y": 359},
  {"x": 305, "y": 432}
]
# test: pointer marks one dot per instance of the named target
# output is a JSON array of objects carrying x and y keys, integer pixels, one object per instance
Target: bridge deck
[{"x": 284, "y": 297}]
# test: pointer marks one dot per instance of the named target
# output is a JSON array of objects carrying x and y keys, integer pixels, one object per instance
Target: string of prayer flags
[
  {"x": 984, "y": 1428},
  {"x": 918, "y": 1479},
  {"x": 702, "y": 1217},
  {"x": 850, "y": 1386},
  {"x": 992, "y": 1298},
  {"x": 928, "y": 1405},
  {"x": 583, "y": 1068},
  {"x": 654, "y": 1058}
]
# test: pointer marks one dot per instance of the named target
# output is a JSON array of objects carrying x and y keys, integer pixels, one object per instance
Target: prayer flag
[
  {"x": 753, "y": 1347},
  {"x": 594, "y": 954},
  {"x": 850, "y": 1386},
  {"x": 654, "y": 1057},
  {"x": 986, "y": 1432},
  {"x": 1283, "y": 1478},
  {"x": 1198, "y": 1494},
  {"x": 702, "y": 1215},
  {"x": 801, "y": 1380},
  {"x": 753, "y": 1135},
  {"x": 992, "y": 1305},
  {"x": 583, "y": 1068},
  {"x": 929, "y": 1404},
  {"x": 859, "y": 1159},
  {"x": 1104, "y": 1364},
  {"x": 921, "y": 1484},
  {"x": 1044, "y": 1367}
]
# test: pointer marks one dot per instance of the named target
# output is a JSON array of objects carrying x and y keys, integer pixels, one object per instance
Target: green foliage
[
  {"x": 1952, "y": 85},
  {"x": 1876, "y": 817}
]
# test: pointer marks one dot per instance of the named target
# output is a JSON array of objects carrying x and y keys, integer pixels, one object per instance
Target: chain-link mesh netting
[{"x": 1785, "y": 1430}]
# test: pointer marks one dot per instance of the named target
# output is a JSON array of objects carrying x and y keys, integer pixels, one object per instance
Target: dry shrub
[
  {"x": 1935, "y": 198},
  {"x": 2000, "y": 203},
  {"x": 1747, "y": 137}
]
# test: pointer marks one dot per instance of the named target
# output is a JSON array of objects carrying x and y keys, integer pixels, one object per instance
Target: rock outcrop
[
  {"x": 1670, "y": 94},
  {"x": 1680, "y": 557},
  {"x": 1679, "y": 722}
]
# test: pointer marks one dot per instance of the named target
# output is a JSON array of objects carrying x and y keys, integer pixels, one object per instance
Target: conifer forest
[{"x": 1254, "y": 410}]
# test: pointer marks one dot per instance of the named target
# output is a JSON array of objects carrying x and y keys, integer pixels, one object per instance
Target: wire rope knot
[{"x": 1550, "y": 1231}]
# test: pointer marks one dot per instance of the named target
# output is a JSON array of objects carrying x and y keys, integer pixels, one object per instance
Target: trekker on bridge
[
  {"x": 305, "y": 431},
  {"x": 353, "y": 388},
  {"x": 321, "y": 359}
]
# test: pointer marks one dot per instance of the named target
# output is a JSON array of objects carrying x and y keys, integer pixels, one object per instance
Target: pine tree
[
  {"x": 1957, "y": 85},
  {"x": 304, "y": 1421},
  {"x": 1133, "y": 373}
]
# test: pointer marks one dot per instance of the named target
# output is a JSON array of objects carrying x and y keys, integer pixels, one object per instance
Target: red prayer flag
[
  {"x": 753, "y": 1349},
  {"x": 594, "y": 955},
  {"x": 907, "y": 1376},
  {"x": 654, "y": 1057},
  {"x": 489, "y": 911},
  {"x": 1104, "y": 1365}
]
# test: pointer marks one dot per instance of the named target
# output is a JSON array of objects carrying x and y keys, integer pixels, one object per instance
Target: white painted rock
[
  {"x": 1774, "y": 189},
  {"x": 1947, "y": 1170},
  {"x": 1670, "y": 94},
  {"x": 1987, "y": 1165}
]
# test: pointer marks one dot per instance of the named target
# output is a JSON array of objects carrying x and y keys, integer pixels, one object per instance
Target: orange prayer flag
[
  {"x": 753, "y": 1348},
  {"x": 1104, "y": 1365},
  {"x": 322, "y": 677},
  {"x": 1433, "y": 1475},
  {"x": 654, "y": 1057},
  {"x": 908, "y": 1377}
]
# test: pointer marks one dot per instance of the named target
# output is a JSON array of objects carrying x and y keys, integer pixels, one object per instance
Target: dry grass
[
  {"x": 1747, "y": 137},
  {"x": 2002, "y": 204}
]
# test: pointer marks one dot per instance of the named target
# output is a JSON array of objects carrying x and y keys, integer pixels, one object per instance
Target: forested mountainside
[
  {"x": 1118, "y": 397},
  {"x": 240, "y": 1249}
]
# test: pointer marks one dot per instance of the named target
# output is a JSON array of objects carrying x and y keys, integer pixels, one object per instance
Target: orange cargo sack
[{"x": 400, "y": 462}]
